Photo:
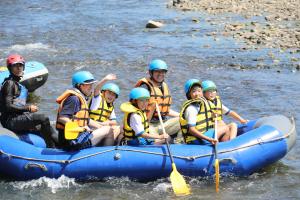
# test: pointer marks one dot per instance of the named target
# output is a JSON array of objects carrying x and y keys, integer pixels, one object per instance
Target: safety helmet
[
  {"x": 111, "y": 87},
  {"x": 139, "y": 93},
  {"x": 158, "y": 65},
  {"x": 14, "y": 59},
  {"x": 208, "y": 85},
  {"x": 82, "y": 77},
  {"x": 189, "y": 84}
]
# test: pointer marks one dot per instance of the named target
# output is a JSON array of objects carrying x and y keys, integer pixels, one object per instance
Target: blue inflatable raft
[
  {"x": 260, "y": 143},
  {"x": 35, "y": 75}
]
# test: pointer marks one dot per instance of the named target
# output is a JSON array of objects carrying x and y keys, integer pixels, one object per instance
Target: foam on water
[
  {"x": 162, "y": 187},
  {"x": 54, "y": 184},
  {"x": 31, "y": 46}
]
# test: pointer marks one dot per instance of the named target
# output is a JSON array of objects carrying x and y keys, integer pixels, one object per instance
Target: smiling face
[
  {"x": 142, "y": 103},
  {"x": 109, "y": 96},
  {"x": 86, "y": 89},
  {"x": 17, "y": 69},
  {"x": 159, "y": 75},
  {"x": 196, "y": 92},
  {"x": 210, "y": 94}
]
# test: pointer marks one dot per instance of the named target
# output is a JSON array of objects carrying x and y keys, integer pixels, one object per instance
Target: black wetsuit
[{"x": 17, "y": 118}]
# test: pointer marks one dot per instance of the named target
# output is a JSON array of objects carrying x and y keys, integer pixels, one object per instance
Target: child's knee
[{"x": 233, "y": 125}]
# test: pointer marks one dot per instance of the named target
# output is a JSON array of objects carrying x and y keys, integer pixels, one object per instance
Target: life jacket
[
  {"x": 204, "y": 118},
  {"x": 162, "y": 97},
  {"x": 20, "y": 96},
  {"x": 81, "y": 117},
  {"x": 216, "y": 106},
  {"x": 103, "y": 112},
  {"x": 129, "y": 133}
]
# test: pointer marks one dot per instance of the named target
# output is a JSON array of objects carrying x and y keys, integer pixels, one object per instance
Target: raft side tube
[{"x": 282, "y": 123}]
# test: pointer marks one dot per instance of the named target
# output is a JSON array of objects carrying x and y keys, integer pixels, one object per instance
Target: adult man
[
  {"x": 160, "y": 94},
  {"x": 16, "y": 114}
]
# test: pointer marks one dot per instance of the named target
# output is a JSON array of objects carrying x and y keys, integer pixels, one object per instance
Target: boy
[
  {"x": 136, "y": 125},
  {"x": 101, "y": 106}
]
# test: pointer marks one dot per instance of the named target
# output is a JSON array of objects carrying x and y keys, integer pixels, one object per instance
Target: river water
[{"x": 109, "y": 37}]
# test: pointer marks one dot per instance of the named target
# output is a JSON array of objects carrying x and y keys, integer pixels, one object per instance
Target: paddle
[
  {"x": 179, "y": 185},
  {"x": 217, "y": 167},
  {"x": 72, "y": 130}
]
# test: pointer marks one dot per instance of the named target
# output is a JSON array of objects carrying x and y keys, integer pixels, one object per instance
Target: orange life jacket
[
  {"x": 162, "y": 97},
  {"x": 81, "y": 117}
]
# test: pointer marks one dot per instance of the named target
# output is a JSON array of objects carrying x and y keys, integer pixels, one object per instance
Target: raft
[
  {"x": 260, "y": 143},
  {"x": 35, "y": 75}
]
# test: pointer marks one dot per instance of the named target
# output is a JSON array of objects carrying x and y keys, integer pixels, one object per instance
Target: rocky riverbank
[{"x": 264, "y": 23}]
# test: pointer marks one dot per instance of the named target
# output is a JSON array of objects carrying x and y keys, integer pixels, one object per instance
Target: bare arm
[
  {"x": 237, "y": 117},
  {"x": 173, "y": 113},
  {"x": 99, "y": 85},
  {"x": 63, "y": 120},
  {"x": 152, "y": 110}
]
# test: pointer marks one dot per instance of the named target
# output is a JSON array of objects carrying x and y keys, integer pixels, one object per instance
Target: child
[
  {"x": 101, "y": 105},
  {"x": 210, "y": 93},
  {"x": 197, "y": 118},
  {"x": 136, "y": 126}
]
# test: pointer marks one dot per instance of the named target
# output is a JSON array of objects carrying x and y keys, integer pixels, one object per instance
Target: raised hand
[{"x": 110, "y": 77}]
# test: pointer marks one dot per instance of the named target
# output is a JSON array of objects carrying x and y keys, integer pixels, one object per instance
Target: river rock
[
  {"x": 154, "y": 24},
  {"x": 195, "y": 20},
  {"x": 279, "y": 30}
]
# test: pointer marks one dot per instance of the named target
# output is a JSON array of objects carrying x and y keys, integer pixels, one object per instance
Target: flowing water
[{"x": 109, "y": 37}]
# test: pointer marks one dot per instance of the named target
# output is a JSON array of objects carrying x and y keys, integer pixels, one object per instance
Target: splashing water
[{"x": 62, "y": 182}]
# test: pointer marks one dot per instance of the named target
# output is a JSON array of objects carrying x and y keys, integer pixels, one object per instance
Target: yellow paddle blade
[
  {"x": 127, "y": 107},
  {"x": 217, "y": 170},
  {"x": 72, "y": 130},
  {"x": 179, "y": 185}
]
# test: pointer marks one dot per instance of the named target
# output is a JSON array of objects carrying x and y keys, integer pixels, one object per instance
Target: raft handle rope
[
  {"x": 35, "y": 165},
  {"x": 189, "y": 158}
]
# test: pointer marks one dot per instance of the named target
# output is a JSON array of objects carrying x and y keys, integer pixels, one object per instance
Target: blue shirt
[{"x": 70, "y": 106}]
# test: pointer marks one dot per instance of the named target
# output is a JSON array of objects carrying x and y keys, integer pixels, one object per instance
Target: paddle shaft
[
  {"x": 164, "y": 132},
  {"x": 216, "y": 137},
  {"x": 217, "y": 167}
]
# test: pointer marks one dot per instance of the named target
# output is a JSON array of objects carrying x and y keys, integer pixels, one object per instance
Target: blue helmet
[
  {"x": 208, "y": 85},
  {"x": 158, "y": 65},
  {"x": 189, "y": 84},
  {"x": 82, "y": 77},
  {"x": 139, "y": 93},
  {"x": 111, "y": 87}
]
